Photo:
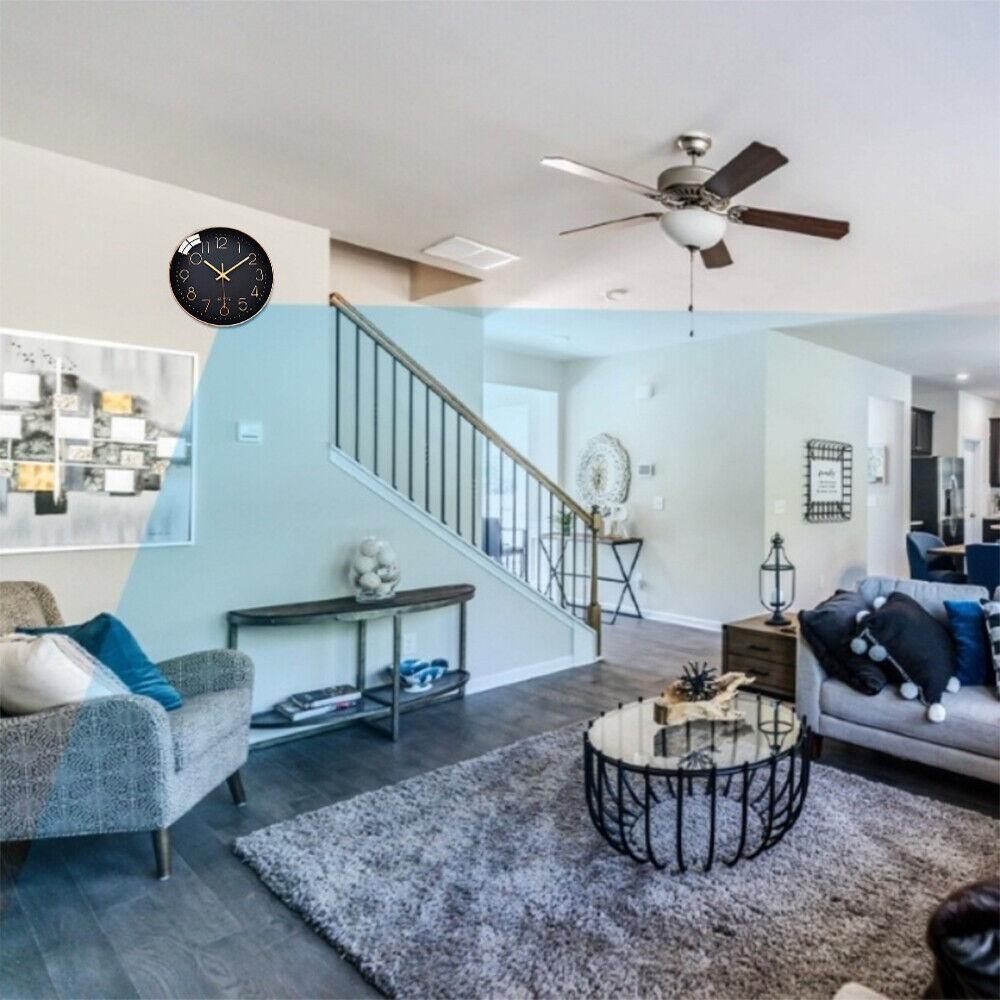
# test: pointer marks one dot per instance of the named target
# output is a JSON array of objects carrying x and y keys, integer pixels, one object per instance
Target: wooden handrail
[{"x": 442, "y": 391}]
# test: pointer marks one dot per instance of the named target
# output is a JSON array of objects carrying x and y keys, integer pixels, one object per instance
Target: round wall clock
[
  {"x": 221, "y": 276},
  {"x": 603, "y": 475}
]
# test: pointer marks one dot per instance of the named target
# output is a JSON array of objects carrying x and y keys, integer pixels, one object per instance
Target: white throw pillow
[{"x": 46, "y": 671}]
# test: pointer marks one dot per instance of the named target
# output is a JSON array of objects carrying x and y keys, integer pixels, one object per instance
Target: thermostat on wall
[{"x": 645, "y": 469}]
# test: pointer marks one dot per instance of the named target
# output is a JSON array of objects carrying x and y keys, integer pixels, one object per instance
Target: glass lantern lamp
[{"x": 777, "y": 582}]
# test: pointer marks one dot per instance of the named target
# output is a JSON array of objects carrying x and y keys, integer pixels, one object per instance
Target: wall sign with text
[{"x": 829, "y": 485}]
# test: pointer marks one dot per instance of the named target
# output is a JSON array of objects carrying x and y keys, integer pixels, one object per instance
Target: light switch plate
[
  {"x": 657, "y": 503},
  {"x": 780, "y": 507},
  {"x": 250, "y": 432}
]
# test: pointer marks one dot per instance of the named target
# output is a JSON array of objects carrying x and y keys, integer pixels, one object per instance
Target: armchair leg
[
  {"x": 161, "y": 848},
  {"x": 815, "y": 745},
  {"x": 236, "y": 789}
]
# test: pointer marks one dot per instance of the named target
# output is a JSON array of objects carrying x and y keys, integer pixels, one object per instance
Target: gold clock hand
[
  {"x": 221, "y": 274},
  {"x": 225, "y": 274}
]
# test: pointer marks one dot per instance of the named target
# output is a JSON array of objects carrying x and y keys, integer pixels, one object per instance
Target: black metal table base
[{"x": 684, "y": 819}]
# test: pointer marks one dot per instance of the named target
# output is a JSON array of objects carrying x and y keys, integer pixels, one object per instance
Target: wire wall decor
[{"x": 829, "y": 480}]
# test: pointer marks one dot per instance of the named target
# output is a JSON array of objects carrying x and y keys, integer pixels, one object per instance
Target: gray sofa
[
  {"x": 121, "y": 763},
  {"x": 968, "y": 741}
]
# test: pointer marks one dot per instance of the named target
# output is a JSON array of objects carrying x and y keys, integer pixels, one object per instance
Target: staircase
[{"x": 400, "y": 424}]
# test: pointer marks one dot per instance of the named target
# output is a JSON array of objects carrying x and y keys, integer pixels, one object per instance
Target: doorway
[
  {"x": 887, "y": 476},
  {"x": 973, "y": 487}
]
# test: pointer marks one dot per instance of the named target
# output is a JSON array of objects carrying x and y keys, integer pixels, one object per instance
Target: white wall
[
  {"x": 84, "y": 254},
  {"x": 815, "y": 392},
  {"x": 704, "y": 431},
  {"x": 511, "y": 368}
]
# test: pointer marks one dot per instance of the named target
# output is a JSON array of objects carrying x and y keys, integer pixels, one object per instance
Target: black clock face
[{"x": 221, "y": 276}]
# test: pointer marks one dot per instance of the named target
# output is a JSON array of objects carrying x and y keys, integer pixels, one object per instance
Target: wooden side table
[{"x": 767, "y": 652}]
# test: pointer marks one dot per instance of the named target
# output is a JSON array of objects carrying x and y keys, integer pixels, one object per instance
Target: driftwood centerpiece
[{"x": 699, "y": 694}]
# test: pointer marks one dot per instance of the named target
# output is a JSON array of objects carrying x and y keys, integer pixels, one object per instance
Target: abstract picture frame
[{"x": 97, "y": 442}]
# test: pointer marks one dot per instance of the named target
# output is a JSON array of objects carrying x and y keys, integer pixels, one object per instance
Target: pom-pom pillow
[
  {"x": 829, "y": 628},
  {"x": 114, "y": 645},
  {"x": 991, "y": 610},
  {"x": 902, "y": 637},
  {"x": 40, "y": 672}
]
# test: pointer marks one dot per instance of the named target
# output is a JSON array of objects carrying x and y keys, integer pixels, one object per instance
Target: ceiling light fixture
[
  {"x": 962, "y": 377},
  {"x": 693, "y": 228}
]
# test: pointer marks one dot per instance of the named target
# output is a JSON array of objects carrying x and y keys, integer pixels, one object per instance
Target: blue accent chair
[
  {"x": 982, "y": 562},
  {"x": 937, "y": 569}
]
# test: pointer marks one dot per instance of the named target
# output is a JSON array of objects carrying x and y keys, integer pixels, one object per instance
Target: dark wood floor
[{"x": 85, "y": 918}]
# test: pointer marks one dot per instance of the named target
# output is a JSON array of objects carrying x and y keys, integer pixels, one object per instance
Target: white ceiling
[{"x": 396, "y": 124}]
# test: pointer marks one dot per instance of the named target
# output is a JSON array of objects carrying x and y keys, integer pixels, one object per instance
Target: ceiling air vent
[{"x": 459, "y": 250}]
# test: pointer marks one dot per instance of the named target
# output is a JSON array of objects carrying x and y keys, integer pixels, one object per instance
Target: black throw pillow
[
  {"x": 904, "y": 639},
  {"x": 829, "y": 629}
]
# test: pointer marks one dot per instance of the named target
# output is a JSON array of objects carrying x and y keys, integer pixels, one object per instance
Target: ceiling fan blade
[
  {"x": 717, "y": 256},
  {"x": 602, "y": 176},
  {"x": 809, "y": 225},
  {"x": 744, "y": 169},
  {"x": 629, "y": 220}
]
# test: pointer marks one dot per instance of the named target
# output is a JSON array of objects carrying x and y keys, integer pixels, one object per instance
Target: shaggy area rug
[{"x": 487, "y": 879}]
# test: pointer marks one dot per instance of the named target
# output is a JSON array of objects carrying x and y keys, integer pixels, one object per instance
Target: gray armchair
[{"x": 121, "y": 763}]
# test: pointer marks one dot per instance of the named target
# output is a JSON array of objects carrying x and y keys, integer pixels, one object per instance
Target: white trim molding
[{"x": 702, "y": 624}]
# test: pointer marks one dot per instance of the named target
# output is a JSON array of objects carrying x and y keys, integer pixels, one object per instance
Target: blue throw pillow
[
  {"x": 107, "y": 639},
  {"x": 968, "y": 629}
]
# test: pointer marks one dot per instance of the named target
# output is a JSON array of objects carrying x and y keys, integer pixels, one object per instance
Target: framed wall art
[
  {"x": 96, "y": 444},
  {"x": 829, "y": 486}
]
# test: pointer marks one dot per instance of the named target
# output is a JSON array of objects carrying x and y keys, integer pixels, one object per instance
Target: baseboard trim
[
  {"x": 515, "y": 675},
  {"x": 702, "y": 624}
]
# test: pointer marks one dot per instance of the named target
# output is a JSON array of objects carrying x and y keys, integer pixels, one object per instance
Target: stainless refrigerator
[{"x": 937, "y": 497}]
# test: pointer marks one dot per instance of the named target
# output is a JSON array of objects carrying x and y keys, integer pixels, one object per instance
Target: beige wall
[
  {"x": 814, "y": 392},
  {"x": 84, "y": 253}
]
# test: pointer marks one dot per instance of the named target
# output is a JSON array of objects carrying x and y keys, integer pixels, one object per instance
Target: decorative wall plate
[{"x": 603, "y": 473}]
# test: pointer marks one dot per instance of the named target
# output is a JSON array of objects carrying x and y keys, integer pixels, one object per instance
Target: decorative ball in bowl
[{"x": 374, "y": 570}]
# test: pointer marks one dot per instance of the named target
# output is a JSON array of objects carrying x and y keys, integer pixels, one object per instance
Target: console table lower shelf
[{"x": 377, "y": 702}]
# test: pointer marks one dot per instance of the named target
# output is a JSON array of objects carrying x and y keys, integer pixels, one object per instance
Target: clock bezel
[{"x": 206, "y": 322}]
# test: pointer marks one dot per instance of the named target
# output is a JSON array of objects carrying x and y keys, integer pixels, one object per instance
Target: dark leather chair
[
  {"x": 925, "y": 567},
  {"x": 982, "y": 563},
  {"x": 964, "y": 935}
]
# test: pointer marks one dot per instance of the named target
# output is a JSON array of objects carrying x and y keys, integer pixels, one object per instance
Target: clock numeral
[
  {"x": 255, "y": 293},
  {"x": 184, "y": 274},
  {"x": 191, "y": 257},
  {"x": 260, "y": 274},
  {"x": 239, "y": 247},
  {"x": 191, "y": 293},
  {"x": 223, "y": 310},
  {"x": 220, "y": 242},
  {"x": 243, "y": 305},
  {"x": 252, "y": 259},
  {"x": 205, "y": 247},
  {"x": 207, "y": 302}
]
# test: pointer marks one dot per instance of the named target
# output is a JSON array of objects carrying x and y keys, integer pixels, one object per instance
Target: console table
[{"x": 382, "y": 701}]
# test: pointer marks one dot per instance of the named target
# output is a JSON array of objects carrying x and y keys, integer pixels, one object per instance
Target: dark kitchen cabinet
[
  {"x": 921, "y": 431},
  {"x": 995, "y": 452}
]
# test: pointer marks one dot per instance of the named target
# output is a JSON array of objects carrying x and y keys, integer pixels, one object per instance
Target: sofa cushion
[
  {"x": 204, "y": 721},
  {"x": 972, "y": 641},
  {"x": 928, "y": 594},
  {"x": 973, "y": 722},
  {"x": 829, "y": 628},
  {"x": 41, "y": 672},
  {"x": 107, "y": 638},
  {"x": 991, "y": 611}
]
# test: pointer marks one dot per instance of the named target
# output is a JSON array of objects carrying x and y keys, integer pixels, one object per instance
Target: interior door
[{"x": 972, "y": 454}]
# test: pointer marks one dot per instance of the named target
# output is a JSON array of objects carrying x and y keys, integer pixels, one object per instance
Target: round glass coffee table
[{"x": 687, "y": 796}]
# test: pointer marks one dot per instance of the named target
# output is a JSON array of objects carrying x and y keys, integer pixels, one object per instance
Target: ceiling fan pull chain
[{"x": 691, "y": 289}]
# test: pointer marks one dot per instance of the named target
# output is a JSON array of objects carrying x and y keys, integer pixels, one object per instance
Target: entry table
[{"x": 383, "y": 701}]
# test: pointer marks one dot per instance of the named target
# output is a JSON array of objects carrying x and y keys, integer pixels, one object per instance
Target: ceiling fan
[{"x": 694, "y": 200}]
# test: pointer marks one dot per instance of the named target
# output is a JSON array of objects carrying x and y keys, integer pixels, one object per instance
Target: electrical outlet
[
  {"x": 657, "y": 503},
  {"x": 780, "y": 507},
  {"x": 409, "y": 644}
]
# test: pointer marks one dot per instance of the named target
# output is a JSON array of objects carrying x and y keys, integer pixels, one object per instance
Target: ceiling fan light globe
[{"x": 693, "y": 227}]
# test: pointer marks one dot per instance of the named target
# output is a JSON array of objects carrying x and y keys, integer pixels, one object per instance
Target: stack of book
[{"x": 322, "y": 701}]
